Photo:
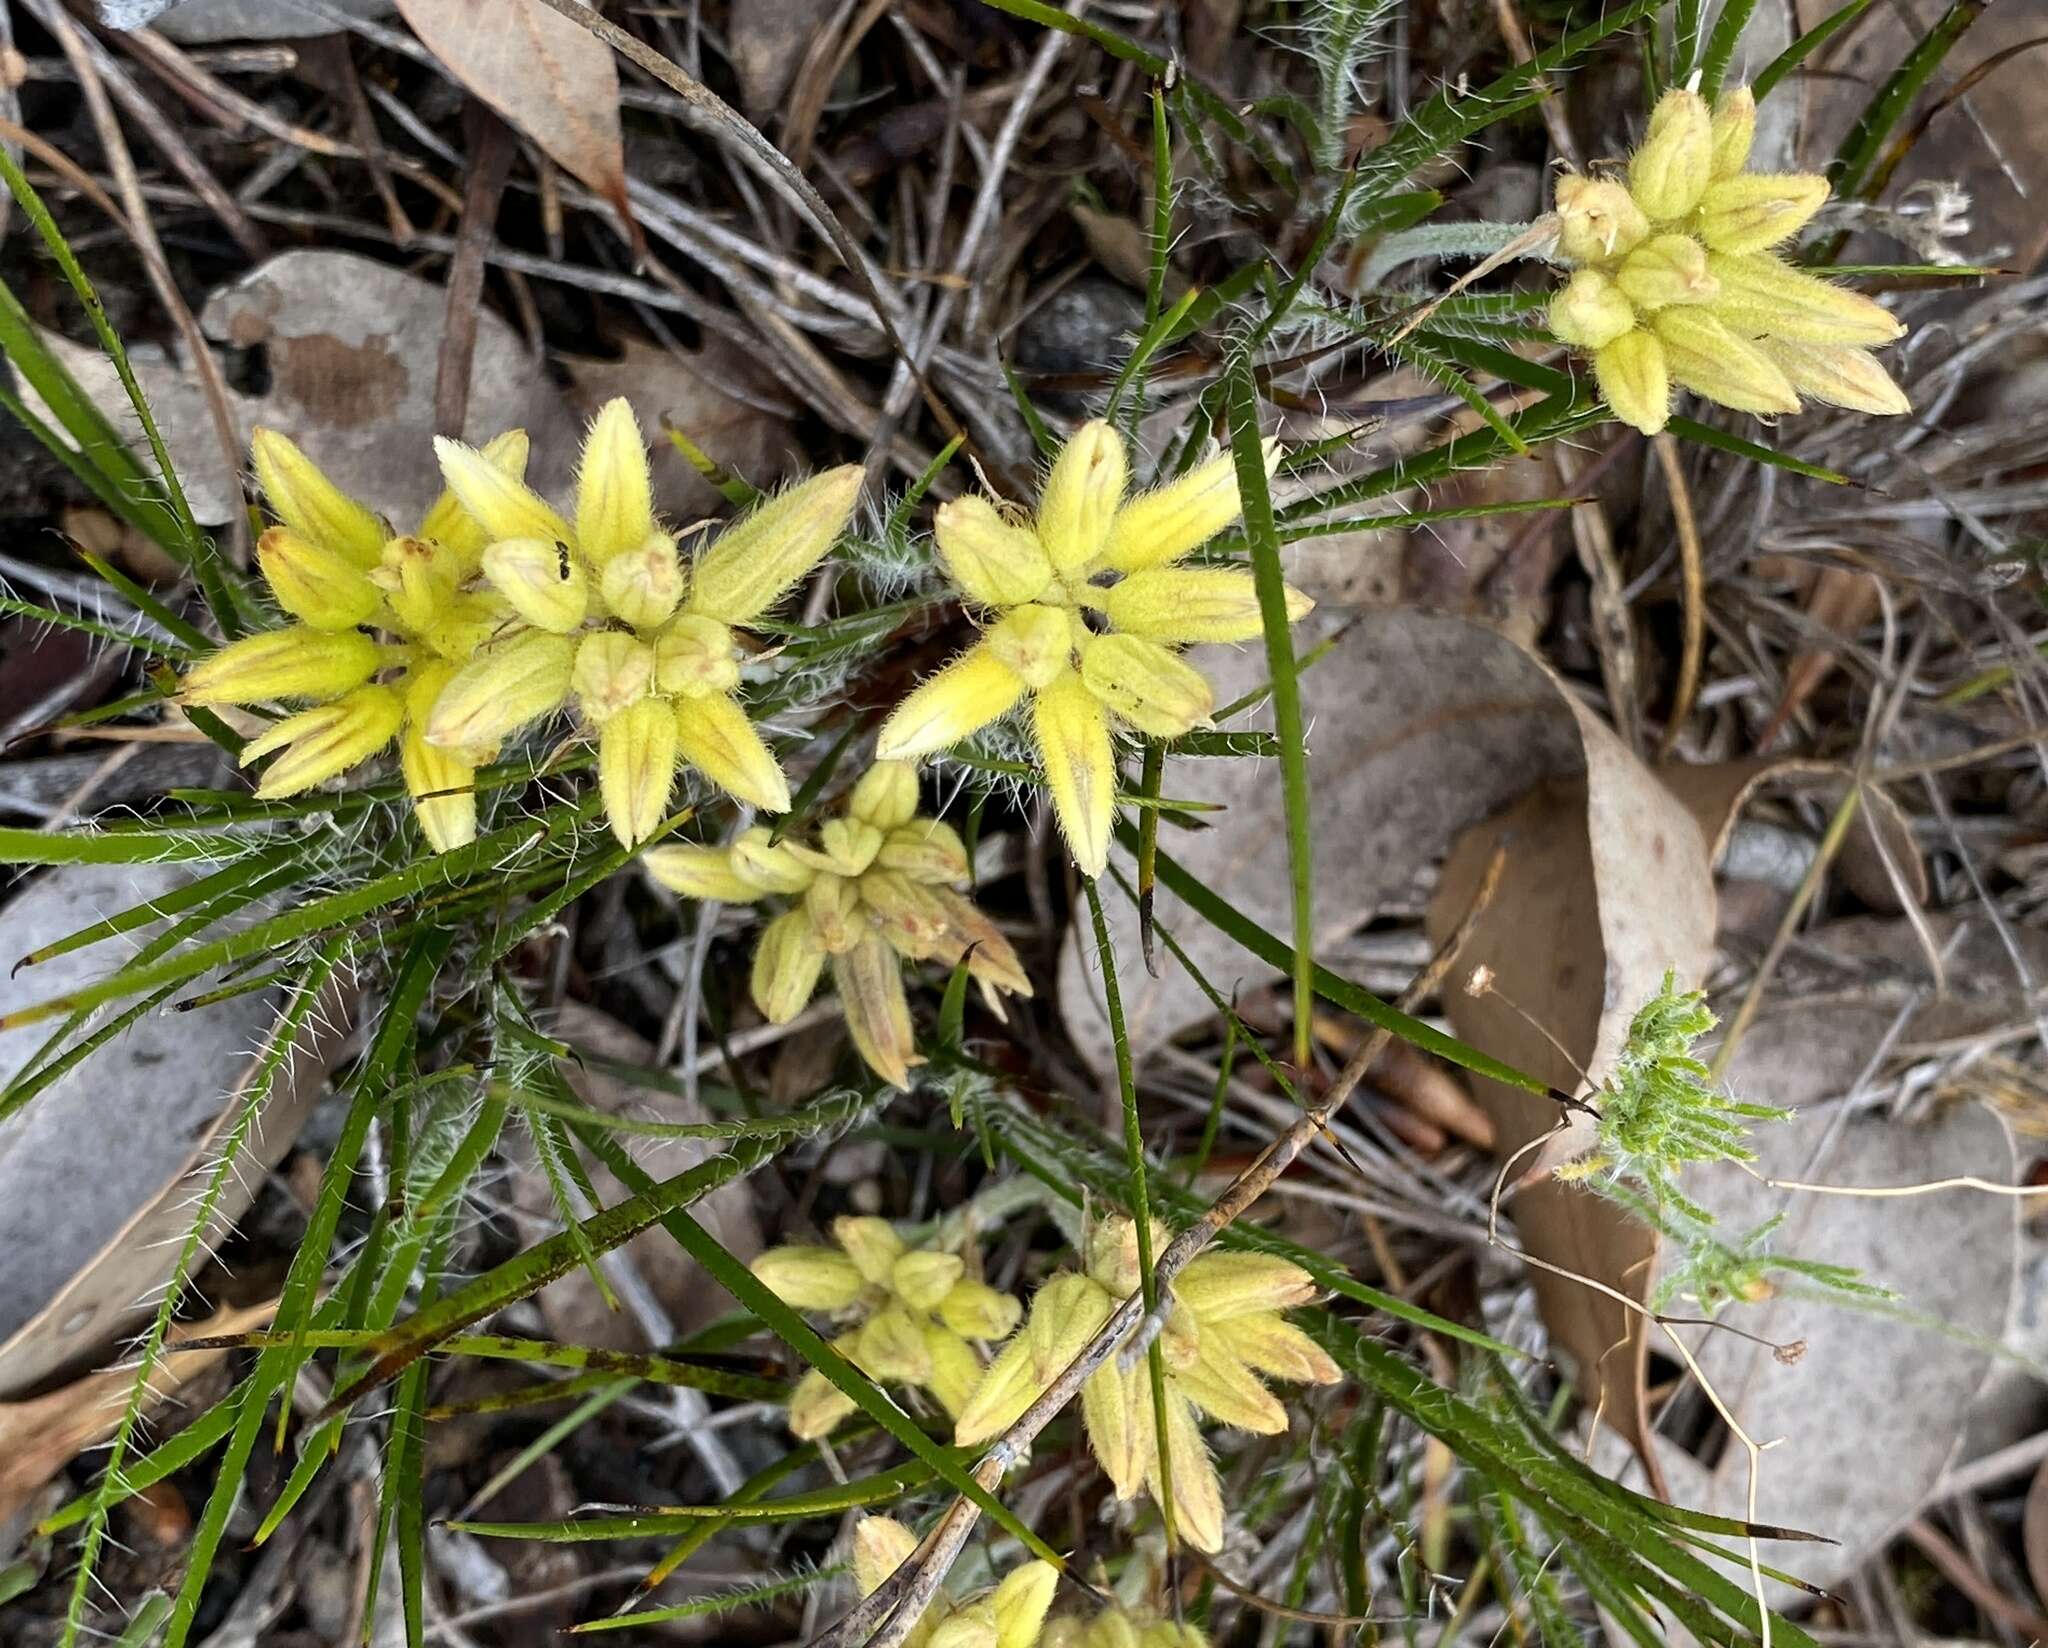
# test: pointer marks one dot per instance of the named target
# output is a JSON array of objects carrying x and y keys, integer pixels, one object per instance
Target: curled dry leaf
[
  {"x": 43, "y": 1434},
  {"x": 99, "y": 1171},
  {"x": 550, "y": 77}
]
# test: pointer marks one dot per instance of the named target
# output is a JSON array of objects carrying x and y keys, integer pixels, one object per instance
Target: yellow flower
[
  {"x": 1119, "y": 1627},
  {"x": 908, "y": 1316},
  {"x": 1089, "y": 610},
  {"x": 334, "y": 566},
  {"x": 1012, "y": 1615},
  {"x": 647, "y": 645},
  {"x": 876, "y": 887},
  {"x": 1224, "y": 1331},
  {"x": 1675, "y": 280}
]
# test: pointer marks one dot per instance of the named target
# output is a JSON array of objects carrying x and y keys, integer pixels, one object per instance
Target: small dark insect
[{"x": 561, "y": 560}]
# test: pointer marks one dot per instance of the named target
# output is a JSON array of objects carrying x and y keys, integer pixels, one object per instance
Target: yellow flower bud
[
  {"x": 990, "y": 959},
  {"x": 449, "y": 525},
  {"x": 1034, "y": 641},
  {"x": 505, "y": 688},
  {"x": 881, "y": 1545},
  {"x": 1762, "y": 297},
  {"x": 1005, "y": 1391},
  {"x": 316, "y": 584},
  {"x": 1167, "y": 1633},
  {"x": 757, "y": 560},
  {"x": 807, "y": 1277},
  {"x": 1081, "y": 496},
  {"x": 1710, "y": 360},
  {"x": 871, "y": 1243},
  {"x": 1065, "y": 1633},
  {"x": 1112, "y": 1253},
  {"x": 1229, "y": 1392},
  {"x": 1116, "y": 1410},
  {"x": 636, "y": 767},
  {"x": 765, "y": 864},
  {"x": 924, "y": 1278},
  {"x": 1155, "y": 691},
  {"x": 322, "y": 743},
  {"x": 926, "y": 850},
  {"x": 1666, "y": 270},
  {"x": 499, "y": 502},
  {"x": 1669, "y": 172},
  {"x": 787, "y": 962},
  {"x": 418, "y": 579},
  {"x": 1589, "y": 312},
  {"x": 991, "y": 558},
  {"x": 540, "y": 578},
  {"x": 962, "y": 698},
  {"x": 974, "y": 1310},
  {"x": 312, "y": 505},
  {"x": 909, "y": 916},
  {"x": 1197, "y": 1493},
  {"x": 612, "y": 673},
  {"x": 693, "y": 658},
  {"x": 1634, "y": 380},
  {"x": 642, "y": 585},
  {"x": 817, "y": 1405},
  {"x": 1218, "y": 1286},
  {"x": 891, "y": 1347},
  {"x": 443, "y": 790},
  {"x": 1021, "y": 1602},
  {"x": 870, "y": 985},
  {"x": 845, "y": 847},
  {"x": 971, "y": 1626},
  {"x": 717, "y": 739},
  {"x": 1180, "y": 1339},
  {"x": 1184, "y": 605},
  {"x": 1115, "y": 1629},
  {"x": 1176, "y": 519},
  {"x": 1759, "y": 209},
  {"x": 1597, "y": 219},
  {"x": 955, "y": 1369},
  {"x": 699, "y": 872},
  {"x": 1733, "y": 129},
  {"x": 1070, "y": 730},
  {"x": 464, "y": 624},
  {"x": 832, "y": 906},
  {"x": 1837, "y": 375},
  {"x": 614, "y": 493},
  {"x": 294, "y": 662},
  {"x": 1067, "y": 1313},
  {"x": 1276, "y": 1348},
  {"x": 886, "y": 795}
]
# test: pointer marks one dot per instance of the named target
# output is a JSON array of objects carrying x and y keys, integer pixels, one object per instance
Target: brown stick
[{"x": 490, "y": 162}]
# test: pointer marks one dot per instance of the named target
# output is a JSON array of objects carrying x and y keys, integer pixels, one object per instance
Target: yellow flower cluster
[
  {"x": 876, "y": 884},
  {"x": 909, "y": 1317},
  {"x": 1087, "y": 613},
  {"x": 339, "y": 572},
  {"x": 1676, "y": 281},
  {"x": 1012, "y": 1615},
  {"x": 1224, "y": 1330}
]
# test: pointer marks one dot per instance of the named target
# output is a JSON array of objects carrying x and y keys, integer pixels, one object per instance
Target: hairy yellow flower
[
  {"x": 1119, "y": 1627},
  {"x": 1674, "y": 280},
  {"x": 1088, "y": 613},
  {"x": 875, "y": 886},
  {"x": 652, "y": 661},
  {"x": 908, "y": 1316},
  {"x": 337, "y": 569},
  {"x": 1225, "y": 1329},
  {"x": 1011, "y": 1615}
]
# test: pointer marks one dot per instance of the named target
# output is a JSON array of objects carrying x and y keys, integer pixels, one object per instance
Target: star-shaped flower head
[
  {"x": 1012, "y": 1615},
  {"x": 875, "y": 888},
  {"x": 382, "y": 623},
  {"x": 615, "y": 620},
  {"x": 1225, "y": 1329},
  {"x": 1088, "y": 612},
  {"x": 908, "y": 1316},
  {"x": 1676, "y": 280}
]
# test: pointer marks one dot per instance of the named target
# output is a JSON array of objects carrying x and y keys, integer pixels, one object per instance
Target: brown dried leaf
[
  {"x": 552, "y": 78},
  {"x": 39, "y": 1437}
]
